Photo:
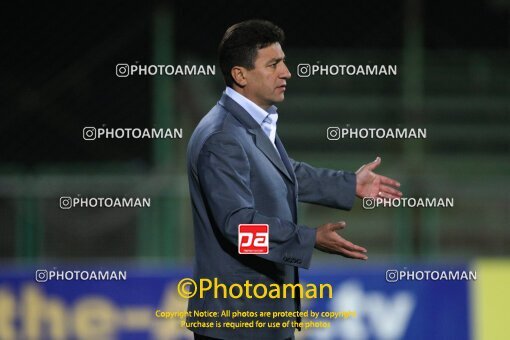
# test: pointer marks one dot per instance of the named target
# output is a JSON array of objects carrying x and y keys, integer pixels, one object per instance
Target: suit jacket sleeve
[
  {"x": 332, "y": 188},
  {"x": 224, "y": 173}
]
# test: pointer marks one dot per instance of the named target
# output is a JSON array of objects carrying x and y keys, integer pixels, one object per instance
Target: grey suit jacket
[{"x": 236, "y": 176}]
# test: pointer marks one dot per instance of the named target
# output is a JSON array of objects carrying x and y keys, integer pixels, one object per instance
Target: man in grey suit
[{"x": 240, "y": 173}]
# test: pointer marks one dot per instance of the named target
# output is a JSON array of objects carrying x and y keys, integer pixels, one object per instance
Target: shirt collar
[{"x": 257, "y": 113}]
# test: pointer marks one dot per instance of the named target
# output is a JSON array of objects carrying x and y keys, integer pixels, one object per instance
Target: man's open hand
[
  {"x": 370, "y": 184},
  {"x": 329, "y": 241}
]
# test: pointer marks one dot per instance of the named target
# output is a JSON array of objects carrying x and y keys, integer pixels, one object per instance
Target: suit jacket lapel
[
  {"x": 261, "y": 140},
  {"x": 264, "y": 144},
  {"x": 284, "y": 157}
]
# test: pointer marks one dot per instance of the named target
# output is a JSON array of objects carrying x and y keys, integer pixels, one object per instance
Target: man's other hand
[
  {"x": 329, "y": 241},
  {"x": 370, "y": 184}
]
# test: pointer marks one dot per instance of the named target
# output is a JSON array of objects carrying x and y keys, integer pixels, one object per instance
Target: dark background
[{"x": 58, "y": 76}]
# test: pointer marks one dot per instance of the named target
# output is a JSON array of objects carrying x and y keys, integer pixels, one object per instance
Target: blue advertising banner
[
  {"x": 417, "y": 303},
  {"x": 126, "y": 302}
]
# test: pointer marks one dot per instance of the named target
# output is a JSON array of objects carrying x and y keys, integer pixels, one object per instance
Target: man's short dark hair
[{"x": 241, "y": 43}]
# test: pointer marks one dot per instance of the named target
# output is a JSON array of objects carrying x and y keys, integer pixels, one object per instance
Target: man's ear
[{"x": 238, "y": 73}]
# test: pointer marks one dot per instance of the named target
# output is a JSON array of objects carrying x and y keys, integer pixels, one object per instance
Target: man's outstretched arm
[
  {"x": 327, "y": 187},
  {"x": 337, "y": 189}
]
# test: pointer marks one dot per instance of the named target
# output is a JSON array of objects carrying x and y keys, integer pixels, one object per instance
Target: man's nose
[{"x": 285, "y": 72}]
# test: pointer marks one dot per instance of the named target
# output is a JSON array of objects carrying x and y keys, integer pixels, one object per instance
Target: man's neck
[{"x": 241, "y": 91}]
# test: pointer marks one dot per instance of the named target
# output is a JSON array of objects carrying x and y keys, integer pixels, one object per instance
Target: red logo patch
[{"x": 253, "y": 239}]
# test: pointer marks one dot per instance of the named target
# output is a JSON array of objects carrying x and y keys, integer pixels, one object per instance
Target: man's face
[{"x": 267, "y": 81}]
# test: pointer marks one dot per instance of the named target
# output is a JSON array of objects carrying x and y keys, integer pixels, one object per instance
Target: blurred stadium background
[{"x": 59, "y": 77}]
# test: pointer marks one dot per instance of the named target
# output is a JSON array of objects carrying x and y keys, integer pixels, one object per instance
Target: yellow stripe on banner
[{"x": 491, "y": 296}]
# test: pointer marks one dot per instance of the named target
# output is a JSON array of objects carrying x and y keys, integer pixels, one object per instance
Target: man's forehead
[{"x": 273, "y": 51}]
